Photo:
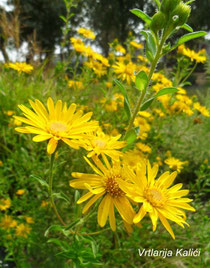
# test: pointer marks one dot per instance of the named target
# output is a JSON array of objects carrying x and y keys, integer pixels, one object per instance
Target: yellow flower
[
  {"x": 175, "y": 164},
  {"x": 97, "y": 67},
  {"x": 108, "y": 84},
  {"x": 143, "y": 147},
  {"x": 29, "y": 220},
  {"x": 133, "y": 158},
  {"x": 1, "y": 163},
  {"x": 21, "y": 67},
  {"x": 86, "y": 33},
  {"x": 10, "y": 113},
  {"x": 23, "y": 230},
  {"x": 78, "y": 45},
  {"x": 156, "y": 197},
  {"x": 125, "y": 71},
  {"x": 75, "y": 84},
  {"x": 136, "y": 45},
  {"x": 99, "y": 144},
  {"x": 5, "y": 204},
  {"x": 44, "y": 203},
  {"x": 199, "y": 56},
  {"x": 105, "y": 183},
  {"x": 7, "y": 222},
  {"x": 201, "y": 109},
  {"x": 20, "y": 192},
  {"x": 58, "y": 123},
  {"x": 120, "y": 49}
]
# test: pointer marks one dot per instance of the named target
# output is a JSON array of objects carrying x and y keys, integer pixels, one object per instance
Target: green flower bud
[
  {"x": 158, "y": 22},
  {"x": 181, "y": 14},
  {"x": 167, "y": 6}
]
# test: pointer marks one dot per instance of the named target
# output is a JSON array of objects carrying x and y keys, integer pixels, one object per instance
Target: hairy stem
[{"x": 52, "y": 158}]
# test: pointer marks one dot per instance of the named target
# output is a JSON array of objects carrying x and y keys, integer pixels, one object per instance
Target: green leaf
[
  {"x": 146, "y": 104},
  {"x": 139, "y": 13},
  {"x": 126, "y": 101},
  {"x": 57, "y": 228},
  {"x": 130, "y": 139},
  {"x": 41, "y": 181},
  {"x": 187, "y": 27},
  {"x": 61, "y": 195},
  {"x": 151, "y": 47},
  {"x": 189, "y": 2},
  {"x": 141, "y": 80},
  {"x": 157, "y": 3},
  {"x": 166, "y": 90},
  {"x": 187, "y": 37}
]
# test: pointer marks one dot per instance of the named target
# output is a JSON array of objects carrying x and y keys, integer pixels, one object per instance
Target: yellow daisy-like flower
[
  {"x": 20, "y": 192},
  {"x": 23, "y": 230},
  {"x": 86, "y": 33},
  {"x": 125, "y": 71},
  {"x": 144, "y": 147},
  {"x": 7, "y": 222},
  {"x": 5, "y": 204},
  {"x": 29, "y": 220},
  {"x": 136, "y": 45},
  {"x": 105, "y": 183},
  {"x": 175, "y": 163},
  {"x": 76, "y": 85},
  {"x": 156, "y": 197},
  {"x": 100, "y": 143},
  {"x": 58, "y": 123},
  {"x": 20, "y": 67}
]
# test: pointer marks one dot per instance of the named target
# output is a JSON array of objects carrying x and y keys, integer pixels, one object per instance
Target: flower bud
[
  {"x": 181, "y": 14},
  {"x": 158, "y": 22},
  {"x": 167, "y": 6}
]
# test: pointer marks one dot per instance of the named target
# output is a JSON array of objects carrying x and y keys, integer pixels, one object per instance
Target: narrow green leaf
[
  {"x": 157, "y": 3},
  {"x": 187, "y": 27},
  {"x": 41, "y": 181},
  {"x": 146, "y": 104},
  {"x": 126, "y": 101},
  {"x": 130, "y": 136},
  {"x": 56, "y": 228},
  {"x": 167, "y": 90},
  {"x": 187, "y": 37},
  {"x": 61, "y": 195},
  {"x": 141, "y": 80},
  {"x": 139, "y": 13},
  {"x": 189, "y": 2}
]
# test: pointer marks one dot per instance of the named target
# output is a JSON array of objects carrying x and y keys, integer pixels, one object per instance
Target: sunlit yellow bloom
[
  {"x": 181, "y": 91},
  {"x": 29, "y": 220},
  {"x": 20, "y": 67},
  {"x": 142, "y": 58},
  {"x": 10, "y": 113},
  {"x": 75, "y": 84},
  {"x": 133, "y": 158},
  {"x": 199, "y": 56},
  {"x": 44, "y": 203},
  {"x": 99, "y": 144},
  {"x": 175, "y": 164},
  {"x": 86, "y": 33},
  {"x": 5, "y": 204},
  {"x": 136, "y": 45},
  {"x": 7, "y": 222},
  {"x": 108, "y": 84},
  {"x": 23, "y": 230},
  {"x": 97, "y": 67},
  {"x": 143, "y": 147},
  {"x": 159, "y": 162},
  {"x": 201, "y": 109},
  {"x": 58, "y": 123},
  {"x": 105, "y": 183},
  {"x": 125, "y": 71},
  {"x": 156, "y": 197},
  {"x": 20, "y": 192},
  {"x": 78, "y": 45},
  {"x": 181, "y": 49},
  {"x": 120, "y": 49}
]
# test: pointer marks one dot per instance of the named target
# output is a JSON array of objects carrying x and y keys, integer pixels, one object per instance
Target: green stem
[
  {"x": 141, "y": 98},
  {"x": 52, "y": 158},
  {"x": 189, "y": 74}
]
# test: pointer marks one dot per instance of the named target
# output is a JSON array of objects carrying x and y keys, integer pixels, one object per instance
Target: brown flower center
[
  {"x": 155, "y": 197},
  {"x": 112, "y": 187}
]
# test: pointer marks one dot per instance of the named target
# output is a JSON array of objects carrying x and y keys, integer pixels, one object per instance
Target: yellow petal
[
  {"x": 140, "y": 215},
  {"x": 84, "y": 198},
  {"x": 52, "y": 144},
  {"x": 103, "y": 210},
  {"x": 91, "y": 202},
  {"x": 112, "y": 216},
  {"x": 166, "y": 225},
  {"x": 39, "y": 138}
]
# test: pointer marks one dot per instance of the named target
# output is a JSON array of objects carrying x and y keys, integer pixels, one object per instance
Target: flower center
[
  {"x": 57, "y": 127},
  {"x": 128, "y": 70},
  {"x": 155, "y": 197},
  {"x": 112, "y": 187},
  {"x": 100, "y": 143}
]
